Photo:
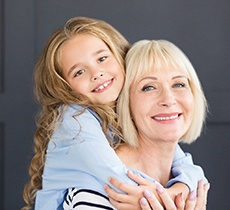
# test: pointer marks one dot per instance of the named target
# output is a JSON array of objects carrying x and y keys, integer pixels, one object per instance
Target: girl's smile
[{"x": 91, "y": 69}]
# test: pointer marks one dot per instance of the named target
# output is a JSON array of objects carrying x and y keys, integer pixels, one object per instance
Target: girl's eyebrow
[
  {"x": 101, "y": 51},
  {"x": 94, "y": 54}
]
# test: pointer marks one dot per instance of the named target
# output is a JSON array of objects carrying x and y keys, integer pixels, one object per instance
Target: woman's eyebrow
[
  {"x": 180, "y": 76},
  {"x": 149, "y": 77}
]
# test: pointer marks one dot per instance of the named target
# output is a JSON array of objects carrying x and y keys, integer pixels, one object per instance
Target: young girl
[{"x": 77, "y": 81}]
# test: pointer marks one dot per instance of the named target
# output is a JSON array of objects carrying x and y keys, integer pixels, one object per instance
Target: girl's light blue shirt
[{"x": 80, "y": 156}]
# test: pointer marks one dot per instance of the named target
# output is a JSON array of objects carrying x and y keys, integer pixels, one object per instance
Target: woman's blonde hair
[
  {"x": 142, "y": 58},
  {"x": 52, "y": 91}
]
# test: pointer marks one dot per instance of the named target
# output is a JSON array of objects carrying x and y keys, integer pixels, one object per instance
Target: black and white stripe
[{"x": 86, "y": 200}]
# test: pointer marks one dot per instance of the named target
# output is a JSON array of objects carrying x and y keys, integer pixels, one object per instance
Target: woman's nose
[{"x": 167, "y": 98}]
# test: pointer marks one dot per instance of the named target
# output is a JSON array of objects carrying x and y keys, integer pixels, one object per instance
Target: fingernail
[
  {"x": 181, "y": 197},
  {"x": 208, "y": 186},
  {"x": 130, "y": 172},
  {"x": 192, "y": 195},
  {"x": 147, "y": 194},
  {"x": 159, "y": 188},
  {"x": 143, "y": 202}
]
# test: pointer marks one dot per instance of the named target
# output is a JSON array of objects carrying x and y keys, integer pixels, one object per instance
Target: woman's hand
[{"x": 148, "y": 202}]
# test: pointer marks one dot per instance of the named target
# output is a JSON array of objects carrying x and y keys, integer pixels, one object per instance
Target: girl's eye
[
  {"x": 79, "y": 72},
  {"x": 101, "y": 59},
  {"x": 147, "y": 88}
]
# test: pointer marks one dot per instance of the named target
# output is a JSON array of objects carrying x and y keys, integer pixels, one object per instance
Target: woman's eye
[
  {"x": 101, "y": 59},
  {"x": 147, "y": 88},
  {"x": 79, "y": 72},
  {"x": 179, "y": 85}
]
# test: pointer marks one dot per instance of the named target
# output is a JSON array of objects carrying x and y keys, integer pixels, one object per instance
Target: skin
[
  {"x": 161, "y": 102},
  {"x": 168, "y": 105},
  {"x": 157, "y": 200},
  {"x": 91, "y": 69}
]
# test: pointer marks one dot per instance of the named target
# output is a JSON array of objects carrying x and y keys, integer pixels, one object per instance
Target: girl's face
[
  {"x": 91, "y": 68},
  {"x": 162, "y": 105}
]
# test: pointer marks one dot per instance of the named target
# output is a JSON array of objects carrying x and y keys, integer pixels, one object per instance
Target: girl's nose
[{"x": 98, "y": 75}]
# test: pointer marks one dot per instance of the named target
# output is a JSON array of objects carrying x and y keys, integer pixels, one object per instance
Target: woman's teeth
[{"x": 166, "y": 118}]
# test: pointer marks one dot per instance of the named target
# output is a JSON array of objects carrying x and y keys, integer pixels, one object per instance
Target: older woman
[
  {"x": 162, "y": 103},
  {"x": 156, "y": 111}
]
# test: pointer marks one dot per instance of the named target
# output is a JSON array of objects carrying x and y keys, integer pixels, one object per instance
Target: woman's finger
[
  {"x": 202, "y": 196},
  {"x": 144, "y": 204},
  {"x": 166, "y": 199},
  {"x": 180, "y": 201},
  {"x": 191, "y": 201},
  {"x": 153, "y": 202}
]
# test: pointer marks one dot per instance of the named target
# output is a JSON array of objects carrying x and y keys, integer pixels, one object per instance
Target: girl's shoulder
[{"x": 78, "y": 112}]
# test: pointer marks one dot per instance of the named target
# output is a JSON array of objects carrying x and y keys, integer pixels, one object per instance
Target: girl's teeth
[{"x": 103, "y": 86}]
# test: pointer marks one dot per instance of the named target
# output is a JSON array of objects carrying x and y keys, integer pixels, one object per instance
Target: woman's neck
[{"x": 153, "y": 160}]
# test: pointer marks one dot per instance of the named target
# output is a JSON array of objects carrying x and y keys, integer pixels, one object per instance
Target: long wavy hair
[{"x": 52, "y": 91}]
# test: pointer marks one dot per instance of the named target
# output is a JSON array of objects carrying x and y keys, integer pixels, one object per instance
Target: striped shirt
[{"x": 86, "y": 200}]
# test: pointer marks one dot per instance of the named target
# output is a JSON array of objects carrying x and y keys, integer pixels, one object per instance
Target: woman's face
[
  {"x": 162, "y": 104},
  {"x": 91, "y": 68}
]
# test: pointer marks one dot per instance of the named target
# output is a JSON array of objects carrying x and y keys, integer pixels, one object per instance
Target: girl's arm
[
  {"x": 147, "y": 194},
  {"x": 184, "y": 170},
  {"x": 79, "y": 155}
]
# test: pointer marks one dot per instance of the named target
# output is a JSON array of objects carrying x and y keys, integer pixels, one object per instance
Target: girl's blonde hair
[
  {"x": 142, "y": 58},
  {"x": 52, "y": 91}
]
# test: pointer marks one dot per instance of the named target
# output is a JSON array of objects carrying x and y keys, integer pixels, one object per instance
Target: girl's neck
[{"x": 153, "y": 160}]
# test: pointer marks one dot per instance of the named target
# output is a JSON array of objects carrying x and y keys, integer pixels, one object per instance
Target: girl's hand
[{"x": 131, "y": 199}]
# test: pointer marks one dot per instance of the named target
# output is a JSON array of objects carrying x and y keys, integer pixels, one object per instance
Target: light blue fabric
[{"x": 80, "y": 156}]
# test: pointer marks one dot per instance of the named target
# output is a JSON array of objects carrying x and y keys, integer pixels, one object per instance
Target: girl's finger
[
  {"x": 114, "y": 195},
  {"x": 124, "y": 187},
  {"x": 137, "y": 178}
]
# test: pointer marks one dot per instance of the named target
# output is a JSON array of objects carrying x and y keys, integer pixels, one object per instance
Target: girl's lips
[
  {"x": 100, "y": 87},
  {"x": 167, "y": 117}
]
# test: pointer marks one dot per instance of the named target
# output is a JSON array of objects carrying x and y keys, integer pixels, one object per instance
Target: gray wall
[{"x": 200, "y": 28}]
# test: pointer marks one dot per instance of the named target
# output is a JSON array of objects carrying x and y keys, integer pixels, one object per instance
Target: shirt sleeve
[
  {"x": 79, "y": 155},
  {"x": 185, "y": 171}
]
